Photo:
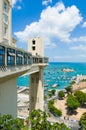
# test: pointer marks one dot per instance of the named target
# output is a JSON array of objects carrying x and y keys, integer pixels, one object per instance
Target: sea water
[{"x": 53, "y": 74}]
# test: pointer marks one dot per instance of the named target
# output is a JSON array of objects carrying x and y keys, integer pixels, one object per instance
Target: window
[
  {"x": 33, "y": 48},
  {"x": 5, "y": 7},
  {"x": 5, "y": 18},
  {"x": 25, "y": 59},
  {"x": 10, "y": 60},
  {"x": 2, "y": 50},
  {"x": 5, "y": 31},
  {"x": 10, "y": 56},
  {"x": 29, "y": 60},
  {"x": 19, "y": 57},
  {"x": 2, "y": 56},
  {"x": 33, "y": 42}
]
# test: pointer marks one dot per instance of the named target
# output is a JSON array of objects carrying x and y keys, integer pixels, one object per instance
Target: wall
[{"x": 8, "y": 97}]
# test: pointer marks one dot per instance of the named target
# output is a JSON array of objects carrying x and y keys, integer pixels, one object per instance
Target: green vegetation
[
  {"x": 69, "y": 89},
  {"x": 72, "y": 103},
  {"x": 72, "y": 82},
  {"x": 84, "y": 80},
  {"x": 57, "y": 126},
  {"x": 38, "y": 120},
  {"x": 61, "y": 94},
  {"x": 80, "y": 96},
  {"x": 53, "y": 109},
  {"x": 82, "y": 121},
  {"x": 51, "y": 93},
  {"x": 45, "y": 97},
  {"x": 8, "y": 123}
]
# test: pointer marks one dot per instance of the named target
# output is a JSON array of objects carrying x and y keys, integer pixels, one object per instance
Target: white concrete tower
[
  {"x": 5, "y": 21},
  {"x": 36, "y": 47}
]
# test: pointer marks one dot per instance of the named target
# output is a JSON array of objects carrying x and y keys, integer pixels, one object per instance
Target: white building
[{"x": 5, "y": 22}]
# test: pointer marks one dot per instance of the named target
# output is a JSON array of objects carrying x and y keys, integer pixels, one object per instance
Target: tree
[
  {"x": 50, "y": 94},
  {"x": 72, "y": 82},
  {"x": 80, "y": 96},
  {"x": 61, "y": 94},
  {"x": 82, "y": 121},
  {"x": 53, "y": 109},
  {"x": 72, "y": 103},
  {"x": 53, "y": 91},
  {"x": 68, "y": 89},
  {"x": 57, "y": 126},
  {"x": 38, "y": 120},
  {"x": 8, "y": 123}
]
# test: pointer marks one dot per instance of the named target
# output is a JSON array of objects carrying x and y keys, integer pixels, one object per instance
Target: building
[
  {"x": 5, "y": 21},
  {"x": 15, "y": 62},
  {"x": 36, "y": 46}
]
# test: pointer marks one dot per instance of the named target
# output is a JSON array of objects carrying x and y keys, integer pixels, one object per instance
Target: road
[{"x": 72, "y": 124}]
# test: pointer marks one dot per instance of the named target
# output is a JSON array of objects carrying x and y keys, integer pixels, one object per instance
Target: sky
[{"x": 61, "y": 23}]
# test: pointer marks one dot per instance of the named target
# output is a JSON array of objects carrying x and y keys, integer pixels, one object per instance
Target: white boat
[
  {"x": 45, "y": 85},
  {"x": 54, "y": 86}
]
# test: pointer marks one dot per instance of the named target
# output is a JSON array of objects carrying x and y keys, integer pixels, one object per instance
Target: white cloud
[
  {"x": 15, "y": 1},
  {"x": 55, "y": 22},
  {"x": 46, "y": 2},
  {"x": 79, "y": 39},
  {"x": 84, "y": 25},
  {"x": 80, "y": 47},
  {"x": 69, "y": 57},
  {"x": 18, "y": 7}
]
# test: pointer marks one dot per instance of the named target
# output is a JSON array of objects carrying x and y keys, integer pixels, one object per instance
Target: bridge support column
[
  {"x": 8, "y": 97},
  {"x": 36, "y": 91}
]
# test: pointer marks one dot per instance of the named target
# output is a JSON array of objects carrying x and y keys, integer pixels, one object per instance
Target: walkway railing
[{"x": 43, "y": 60}]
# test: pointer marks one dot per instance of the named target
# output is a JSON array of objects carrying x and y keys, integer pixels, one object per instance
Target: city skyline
[{"x": 62, "y": 24}]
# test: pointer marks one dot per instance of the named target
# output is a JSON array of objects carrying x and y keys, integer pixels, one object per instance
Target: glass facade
[
  {"x": 29, "y": 60},
  {"x": 10, "y": 56},
  {"x": 25, "y": 58},
  {"x": 2, "y": 56},
  {"x": 16, "y": 57},
  {"x": 19, "y": 58}
]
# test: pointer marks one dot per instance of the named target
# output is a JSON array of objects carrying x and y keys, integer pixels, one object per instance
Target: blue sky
[{"x": 62, "y": 24}]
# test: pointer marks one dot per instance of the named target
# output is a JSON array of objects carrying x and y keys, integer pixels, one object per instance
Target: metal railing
[{"x": 43, "y": 60}]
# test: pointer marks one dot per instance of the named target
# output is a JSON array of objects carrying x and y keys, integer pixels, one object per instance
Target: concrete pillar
[
  {"x": 8, "y": 97},
  {"x": 36, "y": 91}
]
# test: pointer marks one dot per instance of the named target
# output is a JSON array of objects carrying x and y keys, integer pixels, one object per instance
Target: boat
[
  {"x": 45, "y": 85},
  {"x": 54, "y": 86}
]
